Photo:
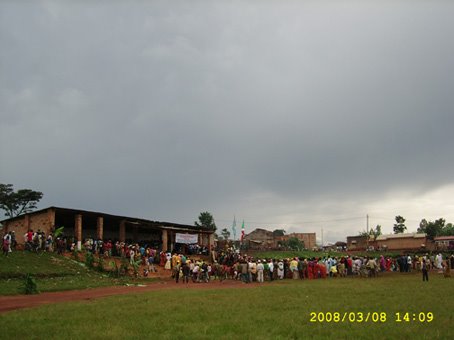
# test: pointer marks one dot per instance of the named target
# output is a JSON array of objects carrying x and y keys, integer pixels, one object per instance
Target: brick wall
[
  {"x": 19, "y": 229},
  {"x": 41, "y": 222},
  {"x": 309, "y": 239},
  {"x": 399, "y": 243},
  {"x": 33, "y": 221}
]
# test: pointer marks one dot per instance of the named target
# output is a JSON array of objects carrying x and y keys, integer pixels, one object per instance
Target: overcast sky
[{"x": 297, "y": 115}]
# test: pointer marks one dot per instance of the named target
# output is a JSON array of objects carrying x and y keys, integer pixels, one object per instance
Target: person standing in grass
[
  {"x": 271, "y": 269},
  {"x": 186, "y": 272},
  {"x": 280, "y": 270},
  {"x": 6, "y": 244},
  {"x": 260, "y": 269},
  {"x": 439, "y": 262},
  {"x": 151, "y": 266},
  {"x": 244, "y": 271},
  {"x": 333, "y": 271},
  {"x": 195, "y": 272},
  {"x": 162, "y": 258},
  {"x": 176, "y": 271},
  {"x": 294, "y": 268},
  {"x": 409, "y": 263},
  {"x": 131, "y": 255},
  {"x": 252, "y": 270},
  {"x": 168, "y": 265},
  {"x": 382, "y": 263},
  {"x": 301, "y": 268},
  {"x": 425, "y": 275}
]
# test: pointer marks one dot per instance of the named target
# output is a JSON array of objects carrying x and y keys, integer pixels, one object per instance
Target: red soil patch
[{"x": 9, "y": 303}]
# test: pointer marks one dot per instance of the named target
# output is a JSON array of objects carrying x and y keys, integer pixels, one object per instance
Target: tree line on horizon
[{"x": 431, "y": 228}]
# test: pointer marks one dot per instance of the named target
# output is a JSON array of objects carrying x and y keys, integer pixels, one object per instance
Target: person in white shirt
[
  {"x": 271, "y": 269},
  {"x": 439, "y": 261},
  {"x": 260, "y": 269},
  {"x": 195, "y": 273},
  {"x": 280, "y": 270},
  {"x": 409, "y": 263}
]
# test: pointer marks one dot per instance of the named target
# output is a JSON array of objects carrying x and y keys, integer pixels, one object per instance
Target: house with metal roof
[{"x": 82, "y": 224}]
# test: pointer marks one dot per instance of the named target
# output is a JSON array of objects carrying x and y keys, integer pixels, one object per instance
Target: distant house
[
  {"x": 444, "y": 243},
  {"x": 406, "y": 241},
  {"x": 340, "y": 245},
  {"x": 265, "y": 239},
  {"x": 260, "y": 239},
  {"x": 357, "y": 242}
]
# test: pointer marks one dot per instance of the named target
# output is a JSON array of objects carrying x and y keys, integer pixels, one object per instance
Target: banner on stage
[{"x": 186, "y": 238}]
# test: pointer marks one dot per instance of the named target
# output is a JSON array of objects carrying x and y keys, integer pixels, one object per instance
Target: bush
[
  {"x": 115, "y": 271},
  {"x": 100, "y": 266},
  {"x": 89, "y": 260},
  {"x": 29, "y": 286},
  {"x": 76, "y": 254}
]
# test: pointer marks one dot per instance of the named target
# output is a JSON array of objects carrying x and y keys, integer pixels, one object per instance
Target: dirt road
[{"x": 9, "y": 303}]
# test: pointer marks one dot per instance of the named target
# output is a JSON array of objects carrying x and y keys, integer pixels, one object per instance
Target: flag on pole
[
  {"x": 242, "y": 232},
  {"x": 234, "y": 228}
]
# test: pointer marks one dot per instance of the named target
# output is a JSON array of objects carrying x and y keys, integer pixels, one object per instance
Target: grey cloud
[{"x": 162, "y": 109}]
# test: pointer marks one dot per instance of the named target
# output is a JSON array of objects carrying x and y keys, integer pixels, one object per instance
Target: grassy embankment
[{"x": 51, "y": 273}]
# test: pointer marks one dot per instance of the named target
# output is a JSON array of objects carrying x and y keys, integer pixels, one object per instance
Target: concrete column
[
  {"x": 211, "y": 241},
  {"x": 164, "y": 240},
  {"x": 211, "y": 249},
  {"x": 100, "y": 228},
  {"x": 51, "y": 218},
  {"x": 78, "y": 230},
  {"x": 171, "y": 236},
  {"x": 135, "y": 233},
  {"x": 122, "y": 231}
]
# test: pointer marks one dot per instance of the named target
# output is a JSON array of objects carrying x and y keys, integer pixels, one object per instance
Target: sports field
[{"x": 280, "y": 310}]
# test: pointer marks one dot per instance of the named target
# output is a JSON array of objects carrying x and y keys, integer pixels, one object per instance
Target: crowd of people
[
  {"x": 230, "y": 264},
  {"x": 33, "y": 241}
]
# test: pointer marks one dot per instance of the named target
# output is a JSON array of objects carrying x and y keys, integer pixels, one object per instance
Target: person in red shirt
[
  {"x": 349, "y": 265},
  {"x": 310, "y": 270},
  {"x": 30, "y": 235},
  {"x": 322, "y": 268}
]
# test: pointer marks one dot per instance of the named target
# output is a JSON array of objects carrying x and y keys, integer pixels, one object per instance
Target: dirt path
[{"x": 9, "y": 303}]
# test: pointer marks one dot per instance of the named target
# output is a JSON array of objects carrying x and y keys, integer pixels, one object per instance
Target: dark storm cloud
[{"x": 163, "y": 110}]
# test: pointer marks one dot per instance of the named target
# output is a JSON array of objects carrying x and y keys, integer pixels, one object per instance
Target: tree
[
  {"x": 448, "y": 230},
  {"x": 279, "y": 232},
  {"x": 373, "y": 233},
  {"x": 295, "y": 244},
  {"x": 399, "y": 226},
  {"x": 206, "y": 221},
  {"x": 225, "y": 234},
  {"x": 435, "y": 228},
  {"x": 20, "y": 202},
  {"x": 422, "y": 226}
]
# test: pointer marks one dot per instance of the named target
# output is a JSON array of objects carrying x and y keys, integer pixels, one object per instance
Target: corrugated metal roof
[
  {"x": 165, "y": 225},
  {"x": 443, "y": 238},
  {"x": 399, "y": 236}
]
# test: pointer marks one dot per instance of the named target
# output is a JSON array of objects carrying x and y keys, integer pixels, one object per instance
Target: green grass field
[
  {"x": 279, "y": 310},
  {"x": 272, "y": 311}
]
